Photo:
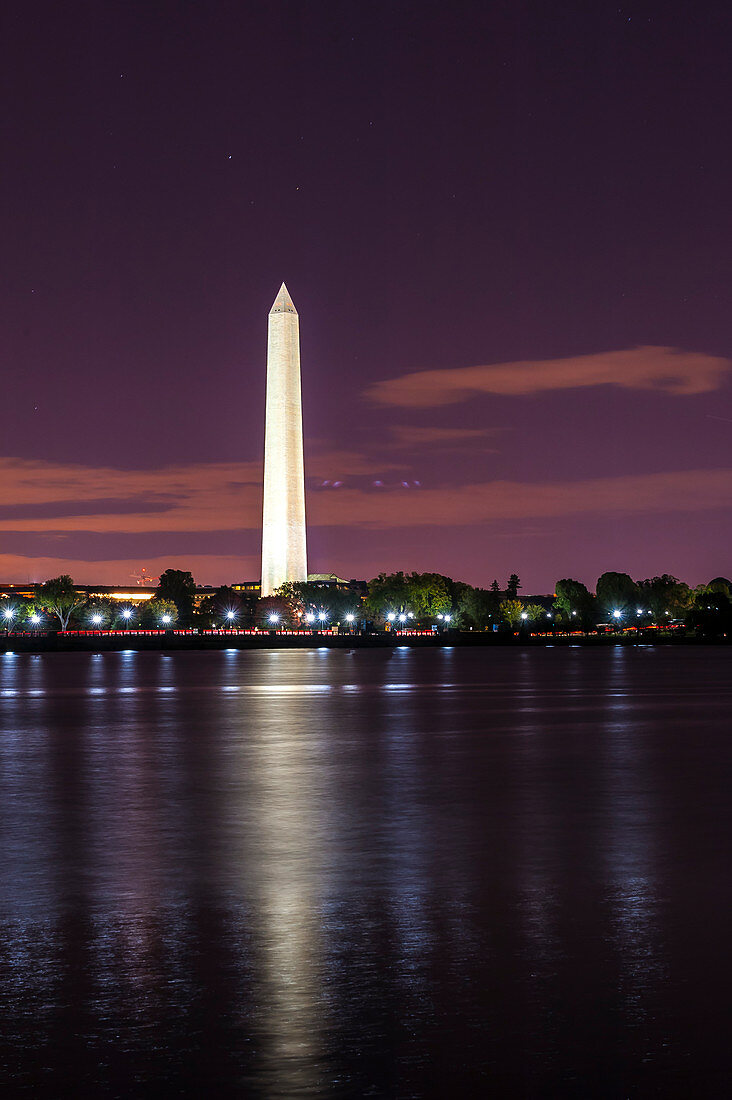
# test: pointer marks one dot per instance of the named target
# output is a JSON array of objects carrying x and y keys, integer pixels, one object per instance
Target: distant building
[
  {"x": 124, "y": 593},
  {"x": 327, "y": 580},
  {"x": 22, "y": 591},
  {"x": 129, "y": 594},
  {"x": 331, "y": 580}
]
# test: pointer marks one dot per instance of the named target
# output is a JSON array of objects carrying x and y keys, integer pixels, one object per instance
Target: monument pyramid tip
[{"x": 283, "y": 303}]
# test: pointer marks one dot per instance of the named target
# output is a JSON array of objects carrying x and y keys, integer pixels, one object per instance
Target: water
[{"x": 387, "y": 873}]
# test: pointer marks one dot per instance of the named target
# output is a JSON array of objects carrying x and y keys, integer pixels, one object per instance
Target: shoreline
[{"x": 179, "y": 642}]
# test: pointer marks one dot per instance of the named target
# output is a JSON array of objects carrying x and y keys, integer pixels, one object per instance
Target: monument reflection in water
[{"x": 315, "y": 873}]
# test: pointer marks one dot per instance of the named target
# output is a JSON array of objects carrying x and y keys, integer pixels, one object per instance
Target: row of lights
[
  {"x": 639, "y": 611},
  {"x": 9, "y": 614},
  {"x": 403, "y": 616},
  {"x": 96, "y": 619},
  {"x": 274, "y": 618},
  {"x": 322, "y": 616}
]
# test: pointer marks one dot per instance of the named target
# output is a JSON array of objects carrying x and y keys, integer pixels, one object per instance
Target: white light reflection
[
  {"x": 278, "y": 817},
  {"x": 411, "y": 839},
  {"x": 630, "y": 844},
  {"x": 288, "y": 689}
]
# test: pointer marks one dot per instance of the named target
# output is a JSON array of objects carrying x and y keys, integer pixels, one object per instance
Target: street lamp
[
  {"x": 310, "y": 617},
  {"x": 448, "y": 618},
  {"x": 274, "y": 619},
  {"x": 167, "y": 619},
  {"x": 524, "y": 615},
  {"x": 230, "y": 615},
  {"x": 35, "y": 619},
  {"x": 402, "y": 618},
  {"x": 96, "y": 619},
  {"x": 350, "y": 618},
  {"x": 391, "y": 616},
  {"x": 127, "y": 615},
  {"x": 8, "y": 613}
]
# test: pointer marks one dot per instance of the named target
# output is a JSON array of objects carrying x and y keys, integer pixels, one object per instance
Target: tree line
[
  {"x": 618, "y": 601},
  {"x": 401, "y": 599},
  {"x": 58, "y": 603}
]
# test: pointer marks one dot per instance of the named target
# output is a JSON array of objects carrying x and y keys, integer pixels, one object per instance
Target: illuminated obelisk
[{"x": 284, "y": 555}]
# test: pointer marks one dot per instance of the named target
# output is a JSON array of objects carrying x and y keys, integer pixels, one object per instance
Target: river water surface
[{"x": 404, "y": 873}]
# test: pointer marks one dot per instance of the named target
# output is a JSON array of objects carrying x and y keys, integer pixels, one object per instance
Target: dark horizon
[{"x": 505, "y": 229}]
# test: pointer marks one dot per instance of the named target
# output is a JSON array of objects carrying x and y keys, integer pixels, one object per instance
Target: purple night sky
[{"x": 505, "y": 226}]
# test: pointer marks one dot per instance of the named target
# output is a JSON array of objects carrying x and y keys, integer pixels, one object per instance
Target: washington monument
[{"x": 284, "y": 555}]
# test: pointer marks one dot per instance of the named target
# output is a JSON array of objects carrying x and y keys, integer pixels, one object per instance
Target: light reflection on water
[{"x": 377, "y": 873}]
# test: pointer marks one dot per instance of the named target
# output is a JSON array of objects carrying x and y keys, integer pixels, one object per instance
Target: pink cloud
[
  {"x": 212, "y": 497},
  {"x": 407, "y": 436},
  {"x": 467, "y": 505},
  {"x": 30, "y": 481},
  {"x": 668, "y": 370},
  {"x": 227, "y": 497}
]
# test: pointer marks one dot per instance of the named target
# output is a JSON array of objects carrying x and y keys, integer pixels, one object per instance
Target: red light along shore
[{"x": 176, "y": 640}]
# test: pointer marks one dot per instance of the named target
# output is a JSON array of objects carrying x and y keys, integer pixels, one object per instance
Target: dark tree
[
  {"x": 617, "y": 592},
  {"x": 574, "y": 603},
  {"x": 387, "y": 592},
  {"x": 275, "y": 612},
  {"x": 665, "y": 597},
  {"x": 60, "y": 598},
  {"x": 430, "y": 595},
  {"x": 476, "y": 608},
  {"x": 14, "y": 610},
  {"x": 310, "y": 598},
  {"x": 231, "y": 607},
  {"x": 711, "y": 614},
  {"x": 159, "y": 613},
  {"x": 225, "y": 607},
  {"x": 102, "y": 612},
  {"x": 178, "y": 586},
  {"x": 423, "y": 595},
  {"x": 511, "y": 611},
  {"x": 512, "y": 588}
]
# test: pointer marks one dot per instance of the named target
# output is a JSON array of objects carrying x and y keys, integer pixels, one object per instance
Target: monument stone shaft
[{"x": 284, "y": 554}]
